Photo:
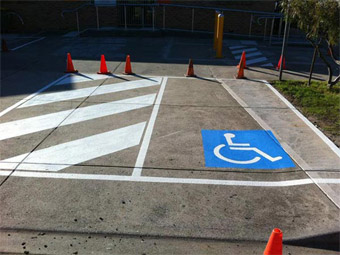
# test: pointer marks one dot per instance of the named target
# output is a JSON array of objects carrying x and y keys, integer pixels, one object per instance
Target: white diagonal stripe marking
[
  {"x": 257, "y": 53},
  {"x": 39, "y": 123},
  {"x": 246, "y": 50},
  {"x": 98, "y": 90},
  {"x": 256, "y": 60},
  {"x": 63, "y": 155}
]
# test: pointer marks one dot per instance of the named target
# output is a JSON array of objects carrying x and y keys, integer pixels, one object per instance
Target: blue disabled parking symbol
[{"x": 255, "y": 149}]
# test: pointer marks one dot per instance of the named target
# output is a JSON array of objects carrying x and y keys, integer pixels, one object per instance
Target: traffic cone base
[
  {"x": 103, "y": 67},
  {"x": 274, "y": 245},
  {"x": 128, "y": 69},
  {"x": 69, "y": 65},
  {"x": 190, "y": 72}
]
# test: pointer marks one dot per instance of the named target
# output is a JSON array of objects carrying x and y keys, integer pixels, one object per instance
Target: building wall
[{"x": 46, "y": 15}]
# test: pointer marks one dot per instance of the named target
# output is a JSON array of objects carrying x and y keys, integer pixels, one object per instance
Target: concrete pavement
[{"x": 119, "y": 160}]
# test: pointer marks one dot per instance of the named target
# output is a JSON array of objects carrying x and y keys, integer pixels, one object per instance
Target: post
[
  {"x": 220, "y": 25},
  {"x": 215, "y": 29},
  {"x": 280, "y": 27},
  {"x": 153, "y": 18},
  {"x": 288, "y": 33},
  {"x": 265, "y": 30},
  {"x": 284, "y": 45},
  {"x": 271, "y": 31},
  {"x": 125, "y": 25},
  {"x": 250, "y": 25},
  {"x": 97, "y": 13},
  {"x": 143, "y": 16},
  {"x": 77, "y": 22},
  {"x": 163, "y": 17},
  {"x": 312, "y": 67},
  {"x": 192, "y": 19}
]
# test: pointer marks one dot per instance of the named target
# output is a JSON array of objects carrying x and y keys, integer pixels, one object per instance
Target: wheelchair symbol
[{"x": 241, "y": 147}]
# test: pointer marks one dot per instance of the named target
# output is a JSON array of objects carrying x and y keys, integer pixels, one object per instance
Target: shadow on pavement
[{"x": 329, "y": 241}]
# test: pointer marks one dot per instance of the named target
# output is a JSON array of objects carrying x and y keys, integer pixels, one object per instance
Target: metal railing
[{"x": 144, "y": 15}]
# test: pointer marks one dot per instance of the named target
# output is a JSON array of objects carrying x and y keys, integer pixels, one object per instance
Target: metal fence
[{"x": 148, "y": 14}]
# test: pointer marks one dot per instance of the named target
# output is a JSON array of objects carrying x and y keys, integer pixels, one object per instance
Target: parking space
[{"x": 156, "y": 154}]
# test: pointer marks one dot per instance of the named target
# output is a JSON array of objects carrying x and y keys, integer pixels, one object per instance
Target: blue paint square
[{"x": 252, "y": 149}]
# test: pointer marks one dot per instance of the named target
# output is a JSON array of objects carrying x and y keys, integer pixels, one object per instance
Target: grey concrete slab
[
  {"x": 312, "y": 151},
  {"x": 131, "y": 209},
  {"x": 195, "y": 211},
  {"x": 73, "y": 243}
]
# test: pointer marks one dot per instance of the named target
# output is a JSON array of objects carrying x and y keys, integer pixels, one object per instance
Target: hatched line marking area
[
  {"x": 46, "y": 162},
  {"x": 253, "y": 55}
]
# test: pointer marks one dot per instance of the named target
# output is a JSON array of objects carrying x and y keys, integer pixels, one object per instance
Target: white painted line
[
  {"x": 237, "y": 47},
  {"x": 75, "y": 78},
  {"x": 98, "y": 90},
  {"x": 58, "y": 157},
  {"x": 102, "y": 177},
  {"x": 304, "y": 166},
  {"x": 326, "y": 140},
  {"x": 31, "y": 96},
  {"x": 257, "y": 53},
  {"x": 256, "y": 60},
  {"x": 21, "y": 46},
  {"x": 137, "y": 171},
  {"x": 246, "y": 50},
  {"x": 47, "y": 121}
]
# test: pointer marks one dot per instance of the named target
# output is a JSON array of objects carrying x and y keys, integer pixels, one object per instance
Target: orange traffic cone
[
  {"x": 274, "y": 245},
  {"x": 103, "y": 67},
  {"x": 243, "y": 58},
  {"x": 190, "y": 72},
  {"x": 69, "y": 66},
  {"x": 240, "y": 72},
  {"x": 280, "y": 63},
  {"x": 128, "y": 69},
  {"x": 4, "y": 47}
]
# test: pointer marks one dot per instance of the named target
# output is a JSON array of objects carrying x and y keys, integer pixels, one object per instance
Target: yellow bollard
[
  {"x": 215, "y": 28},
  {"x": 220, "y": 25}
]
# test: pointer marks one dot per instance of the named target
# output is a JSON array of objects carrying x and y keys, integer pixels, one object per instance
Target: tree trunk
[
  {"x": 312, "y": 67},
  {"x": 329, "y": 68}
]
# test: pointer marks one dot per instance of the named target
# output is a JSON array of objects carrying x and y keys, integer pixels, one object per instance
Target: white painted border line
[
  {"x": 102, "y": 177},
  {"x": 31, "y": 96},
  {"x": 331, "y": 145},
  {"x": 21, "y": 46},
  {"x": 303, "y": 165},
  {"x": 137, "y": 171}
]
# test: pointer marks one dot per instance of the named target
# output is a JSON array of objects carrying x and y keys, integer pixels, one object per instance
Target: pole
[
  {"x": 312, "y": 67},
  {"x": 125, "y": 25},
  {"x": 284, "y": 44},
  {"x": 265, "y": 30},
  {"x": 143, "y": 10},
  {"x": 192, "y": 19},
  {"x": 163, "y": 17},
  {"x": 77, "y": 22},
  {"x": 220, "y": 25},
  {"x": 271, "y": 31},
  {"x": 250, "y": 25},
  {"x": 153, "y": 18},
  {"x": 215, "y": 29},
  {"x": 97, "y": 13},
  {"x": 280, "y": 28}
]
